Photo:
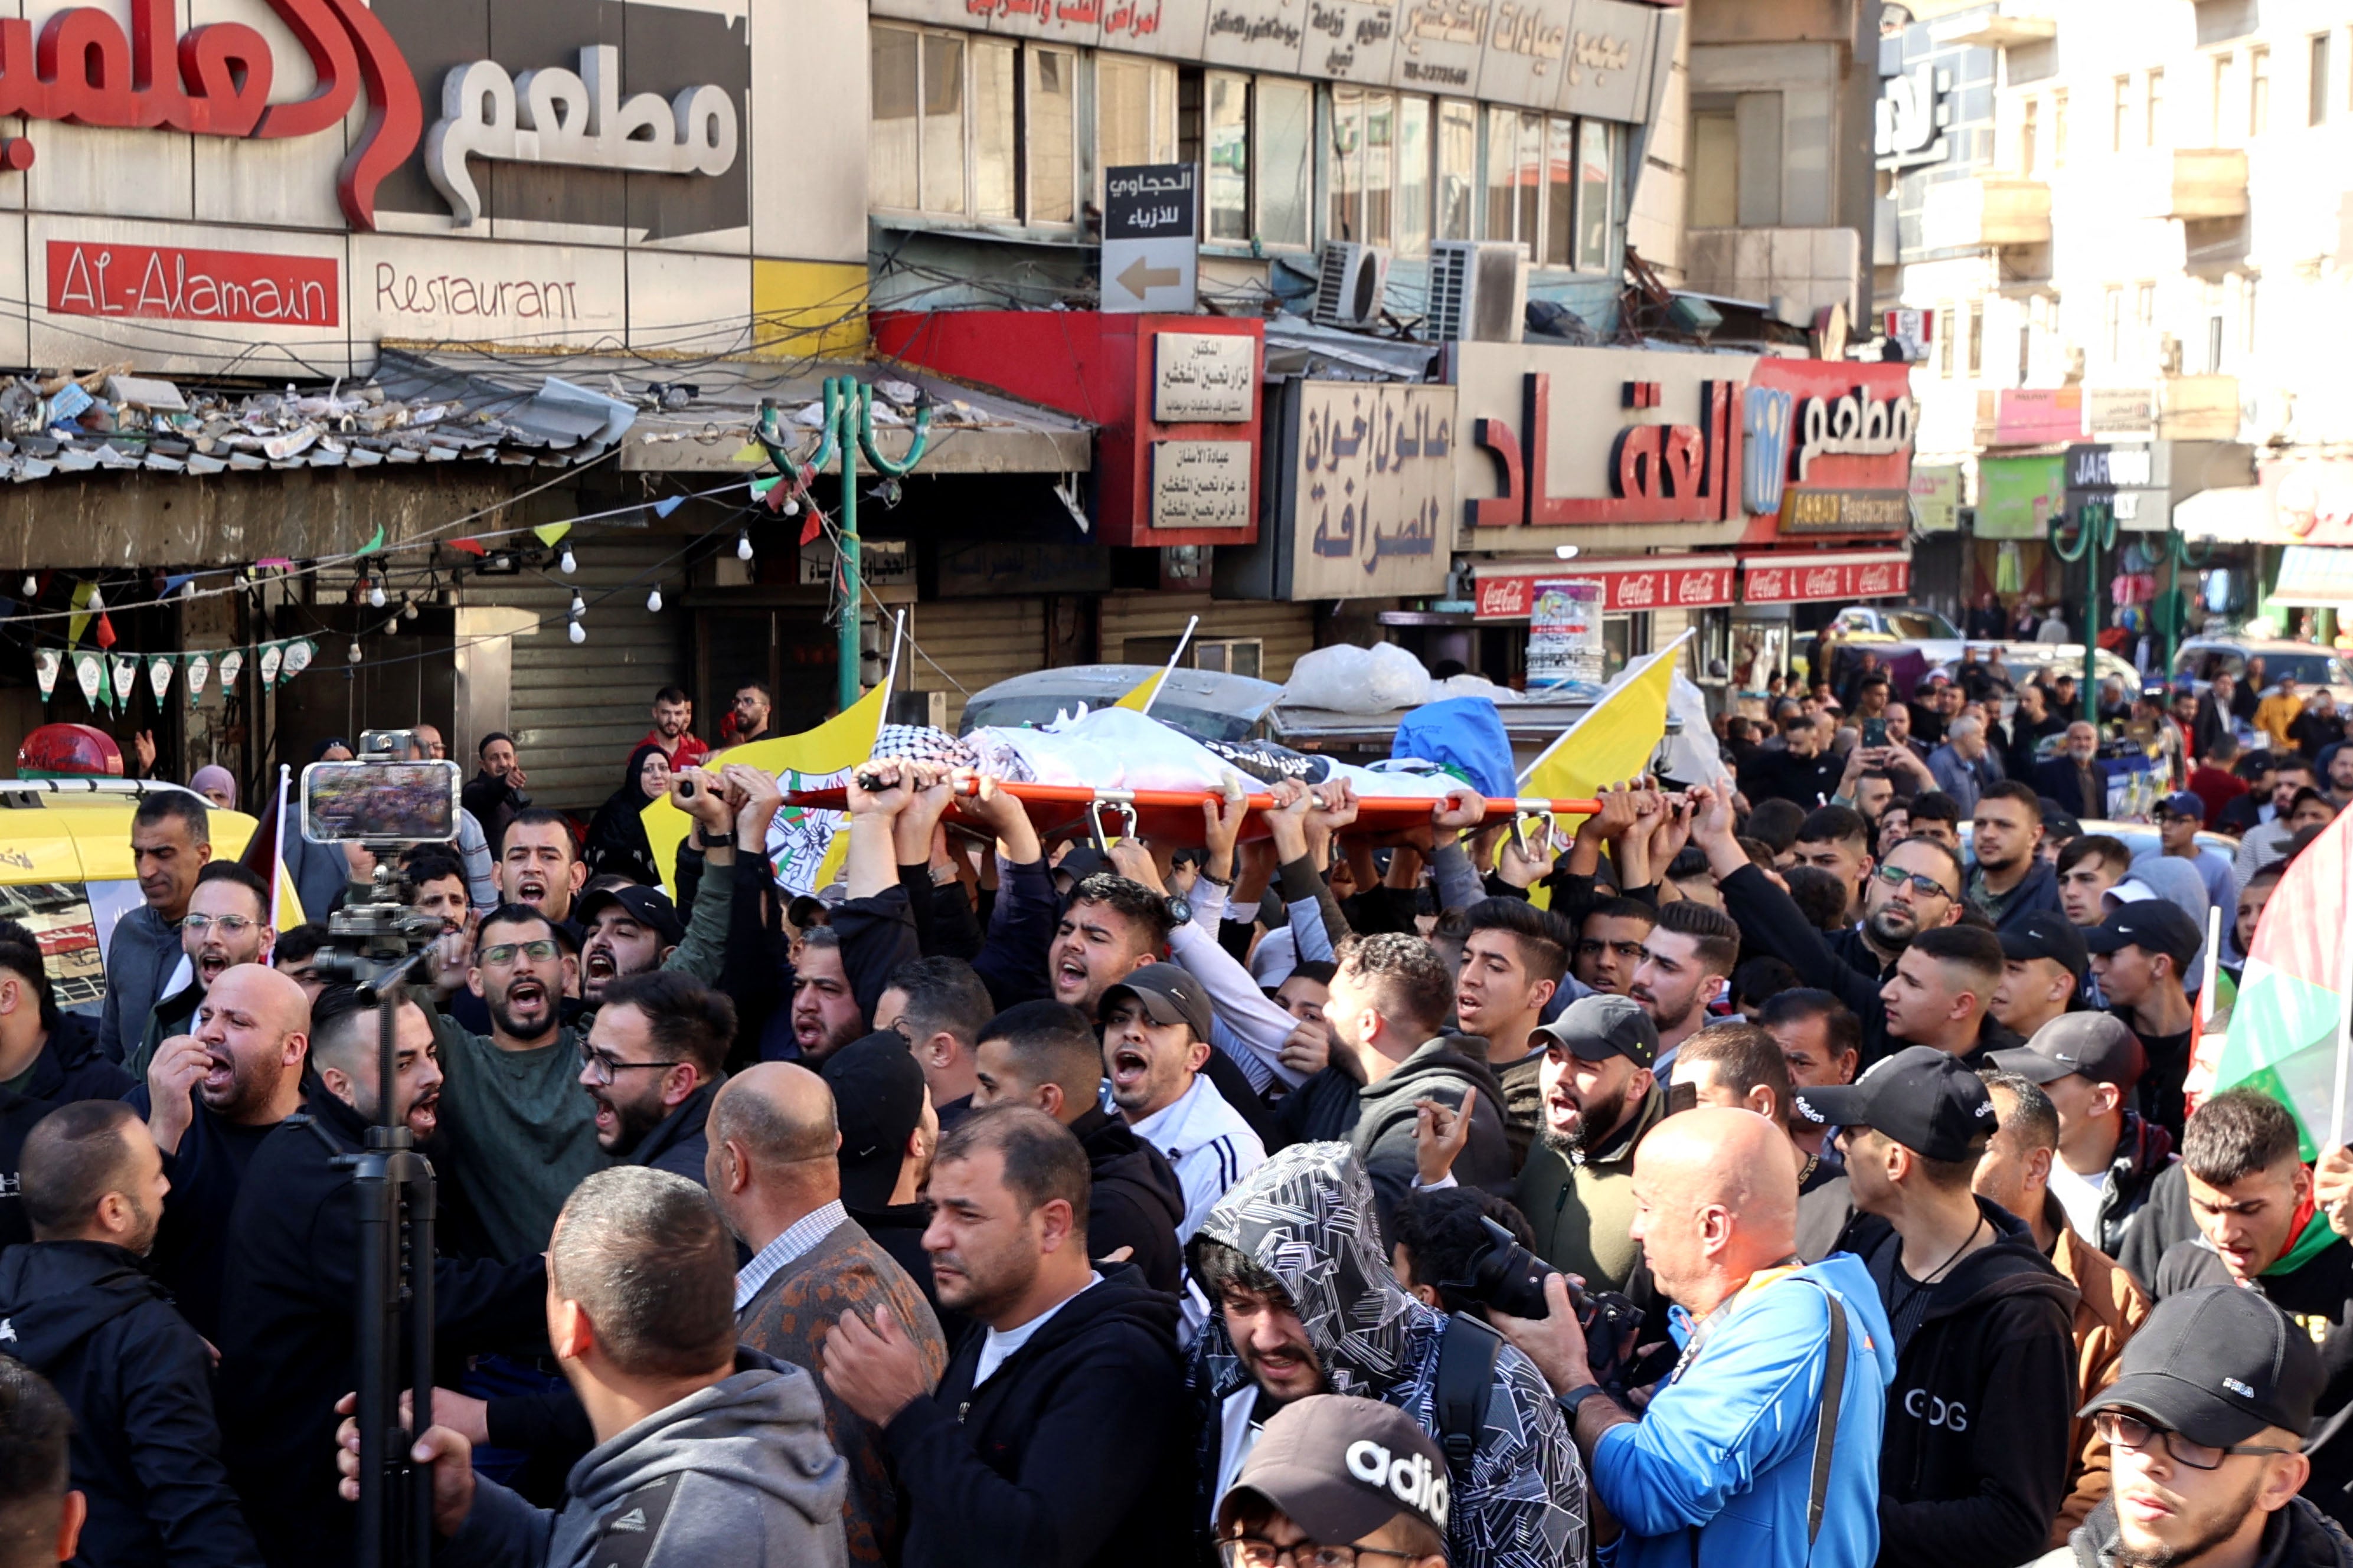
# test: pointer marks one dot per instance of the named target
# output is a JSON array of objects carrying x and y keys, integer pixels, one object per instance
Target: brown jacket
[
  {"x": 2110, "y": 1308},
  {"x": 789, "y": 1320}
]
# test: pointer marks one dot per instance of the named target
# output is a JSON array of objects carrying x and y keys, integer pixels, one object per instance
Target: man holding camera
[
  {"x": 1761, "y": 1447},
  {"x": 1303, "y": 1302}
]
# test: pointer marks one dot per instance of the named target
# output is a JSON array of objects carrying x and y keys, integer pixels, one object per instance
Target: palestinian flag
[{"x": 2287, "y": 1022}]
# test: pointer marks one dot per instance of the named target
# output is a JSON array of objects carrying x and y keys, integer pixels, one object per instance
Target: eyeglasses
[
  {"x": 2132, "y": 1432},
  {"x": 600, "y": 1066},
  {"x": 1249, "y": 1551},
  {"x": 230, "y": 926},
  {"x": 498, "y": 957},
  {"x": 1592, "y": 947},
  {"x": 1922, "y": 886}
]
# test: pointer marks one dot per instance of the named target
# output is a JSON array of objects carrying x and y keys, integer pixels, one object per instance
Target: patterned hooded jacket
[{"x": 1307, "y": 1218}]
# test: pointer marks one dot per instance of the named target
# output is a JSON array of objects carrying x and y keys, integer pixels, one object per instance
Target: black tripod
[{"x": 393, "y": 1185}]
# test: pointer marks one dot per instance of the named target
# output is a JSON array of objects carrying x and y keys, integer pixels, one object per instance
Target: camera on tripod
[
  {"x": 386, "y": 802},
  {"x": 1510, "y": 1279}
]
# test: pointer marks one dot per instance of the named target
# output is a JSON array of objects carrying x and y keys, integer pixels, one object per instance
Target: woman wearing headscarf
[
  {"x": 217, "y": 785},
  {"x": 618, "y": 846}
]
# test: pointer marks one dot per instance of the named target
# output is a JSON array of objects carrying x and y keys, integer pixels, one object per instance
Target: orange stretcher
[{"x": 1175, "y": 813}]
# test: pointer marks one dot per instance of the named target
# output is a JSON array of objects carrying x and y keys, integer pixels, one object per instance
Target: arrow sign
[
  {"x": 1141, "y": 275},
  {"x": 1152, "y": 238}
]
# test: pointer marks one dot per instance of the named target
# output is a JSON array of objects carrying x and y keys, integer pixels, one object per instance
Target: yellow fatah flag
[
  {"x": 1140, "y": 700},
  {"x": 813, "y": 848},
  {"x": 1612, "y": 742}
]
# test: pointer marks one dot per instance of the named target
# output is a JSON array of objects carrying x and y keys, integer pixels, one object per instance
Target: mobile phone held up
[
  {"x": 1875, "y": 732},
  {"x": 380, "y": 802}
]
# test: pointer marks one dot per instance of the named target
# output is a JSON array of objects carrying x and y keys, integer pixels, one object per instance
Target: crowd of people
[{"x": 1755, "y": 1174}]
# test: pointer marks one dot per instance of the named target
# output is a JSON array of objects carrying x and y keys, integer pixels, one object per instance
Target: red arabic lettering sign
[
  {"x": 1797, "y": 581},
  {"x": 213, "y": 80},
  {"x": 168, "y": 283},
  {"x": 1658, "y": 473},
  {"x": 1658, "y": 587}
]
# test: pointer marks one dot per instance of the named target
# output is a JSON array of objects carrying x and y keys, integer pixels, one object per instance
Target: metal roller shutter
[
  {"x": 1287, "y": 630},
  {"x": 578, "y": 708},
  {"x": 965, "y": 645}
]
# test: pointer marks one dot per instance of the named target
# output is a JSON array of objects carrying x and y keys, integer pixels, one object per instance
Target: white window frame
[{"x": 969, "y": 217}]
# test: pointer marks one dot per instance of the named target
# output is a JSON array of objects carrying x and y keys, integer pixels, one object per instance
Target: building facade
[{"x": 2116, "y": 235}]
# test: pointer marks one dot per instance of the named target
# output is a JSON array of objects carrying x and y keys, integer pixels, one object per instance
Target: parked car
[
  {"x": 1203, "y": 703},
  {"x": 66, "y": 870},
  {"x": 1938, "y": 640},
  {"x": 2203, "y": 658}
]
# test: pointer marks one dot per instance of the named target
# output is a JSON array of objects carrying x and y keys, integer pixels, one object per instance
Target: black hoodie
[
  {"x": 71, "y": 1066},
  {"x": 146, "y": 1451},
  {"x": 288, "y": 1330},
  {"x": 1973, "y": 1464},
  {"x": 677, "y": 1142},
  {"x": 1076, "y": 1452},
  {"x": 1137, "y": 1201},
  {"x": 18, "y": 1115}
]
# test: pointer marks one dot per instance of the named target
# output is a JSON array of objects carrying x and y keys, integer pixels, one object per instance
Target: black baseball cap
[
  {"x": 2218, "y": 1366},
  {"x": 1169, "y": 995},
  {"x": 2153, "y": 925},
  {"x": 1920, "y": 1096},
  {"x": 1340, "y": 1468},
  {"x": 649, "y": 907},
  {"x": 2058, "y": 822},
  {"x": 2096, "y": 1045},
  {"x": 878, "y": 1100},
  {"x": 2047, "y": 933},
  {"x": 1595, "y": 1029}
]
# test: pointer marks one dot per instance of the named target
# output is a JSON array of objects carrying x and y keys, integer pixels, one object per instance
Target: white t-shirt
[
  {"x": 1000, "y": 1344},
  {"x": 2080, "y": 1196}
]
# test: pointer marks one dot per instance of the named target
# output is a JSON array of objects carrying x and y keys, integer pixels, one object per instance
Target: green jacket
[{"x": 1581, "y": 1212}]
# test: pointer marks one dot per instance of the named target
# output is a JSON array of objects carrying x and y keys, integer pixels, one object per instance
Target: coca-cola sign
[
  {"x": 1665, "y": 582},
  {"x": 213, "y": 80},
  {"x": 1802, "y": 579}
]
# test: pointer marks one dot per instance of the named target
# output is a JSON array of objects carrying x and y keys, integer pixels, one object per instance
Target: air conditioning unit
[
  {"x": 1478, "y": 290},
  {"x": 2169, "y": 355},
  {"x": 1349, "y": 281}
]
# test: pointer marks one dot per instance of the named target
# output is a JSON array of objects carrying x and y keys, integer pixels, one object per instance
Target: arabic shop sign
[
  {"x": 579, "y": 118},
  {"x": 1909, "y": 120},
  {"x": 1201, "y": 484},
  {"x": 214, "y": 80},
  {"x": 1203, "y": 378},
  {"x": 1657, "y": 473},
  {"x": 1375, "y": 490}
]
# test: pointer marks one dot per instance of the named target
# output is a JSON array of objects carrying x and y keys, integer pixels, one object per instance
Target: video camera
[
  {"x": 385, "y": 800},
  {"x": 1510, "y": 1279}
]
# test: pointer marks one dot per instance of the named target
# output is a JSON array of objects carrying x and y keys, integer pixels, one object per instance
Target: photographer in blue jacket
[{"x": 1760, "y": 1448}]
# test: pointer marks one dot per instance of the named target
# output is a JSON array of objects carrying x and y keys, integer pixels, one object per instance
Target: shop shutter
[
  {"x": 968, "y": 645},
  {"x": 577, "y": 709},
  {"x": 1286, "y": 631}
]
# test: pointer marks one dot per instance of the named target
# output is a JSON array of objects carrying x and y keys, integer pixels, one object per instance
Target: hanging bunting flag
[
  {"x": 232, "y": 665},
  {"x": 375, "y": 543},
  {"x": 47, "y": 662},
  {"x": 200, "y": 669},
  {"x": 126, "y": 679},
  {"x": 104, "y": 635},
  {"x": 174, "y": 581},
  {"x": 470, "y": 546},
  {"x": 273, "y": 657},
  {"x": 159, "y": 675},
  {"x": 299, "y": 655},
  {"x": 551, "y": 532},
  {"x": 90, "y": 677},
  {"x": 78, "y": 622},
  {"x": 668, "y": 505}
]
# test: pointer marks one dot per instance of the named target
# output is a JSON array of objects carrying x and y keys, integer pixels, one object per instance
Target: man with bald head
[
  {"x": 210, "y": 1097},
  {"x": 1784, "y": 1373},
  {"x": 773, "y": 1170}
]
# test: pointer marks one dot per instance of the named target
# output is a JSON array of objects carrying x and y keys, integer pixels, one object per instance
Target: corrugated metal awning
[
  {"x": 697, "y": 417},
  {"x": 2315, "y": 574}
]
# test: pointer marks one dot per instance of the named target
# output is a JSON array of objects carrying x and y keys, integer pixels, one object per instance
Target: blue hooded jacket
[{"x": 1717, "y": 1472}]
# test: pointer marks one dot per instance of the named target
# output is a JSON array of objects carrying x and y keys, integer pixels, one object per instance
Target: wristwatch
[
  {"x": 1576, "y": 1397},
  {"x": 1181, "y": 911}
]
